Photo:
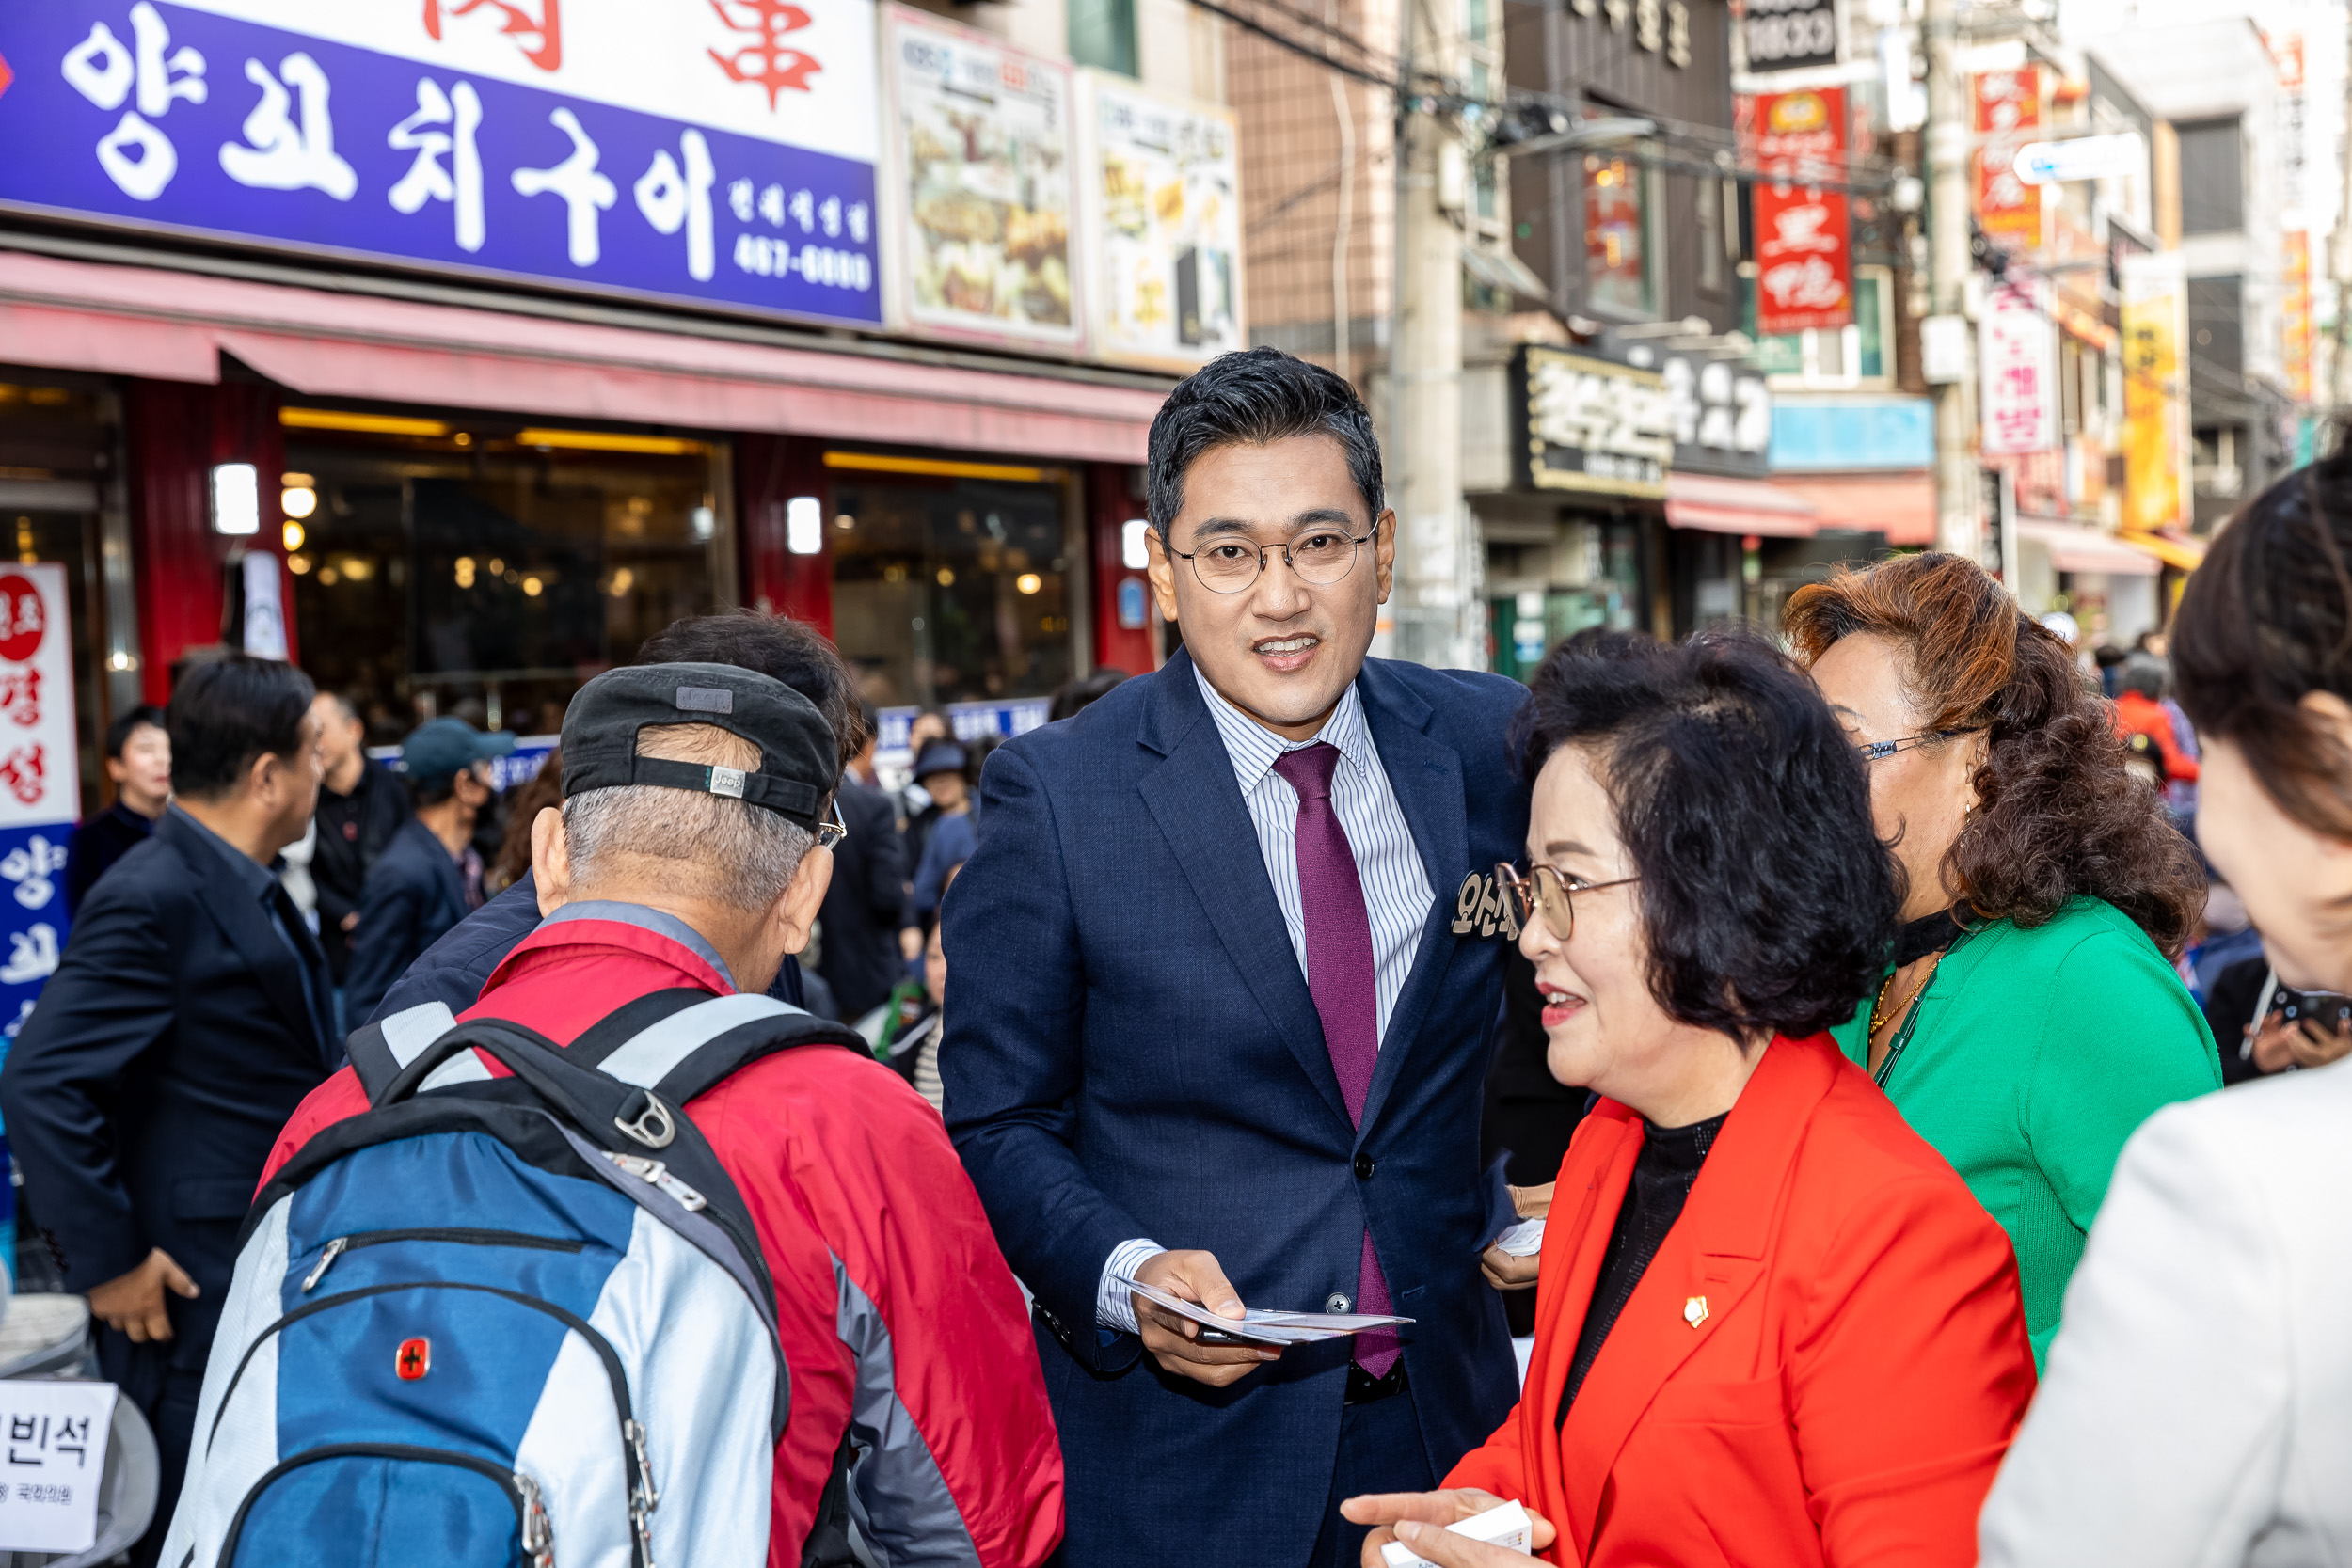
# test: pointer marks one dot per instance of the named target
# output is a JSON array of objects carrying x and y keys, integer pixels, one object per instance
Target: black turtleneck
[{"x": 1662, "y": 1175}]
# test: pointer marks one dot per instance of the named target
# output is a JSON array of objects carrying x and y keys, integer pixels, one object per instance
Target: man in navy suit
[
  {"x": 189, "y": 1016},
  {"x": 1223, "y": 1010}
]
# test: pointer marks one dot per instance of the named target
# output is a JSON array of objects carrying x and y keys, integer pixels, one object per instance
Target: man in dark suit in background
[
  {"x": 361, "y": 806},
  {"x": 139, "y": 765},
  {"x": 188, "y": 1018},
  {"x": 859, "y": 917},
  {"x": 1221, "y": 1025}
]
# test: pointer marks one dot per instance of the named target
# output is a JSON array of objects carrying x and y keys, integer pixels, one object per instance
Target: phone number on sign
[{"x": 814, "y": 263}]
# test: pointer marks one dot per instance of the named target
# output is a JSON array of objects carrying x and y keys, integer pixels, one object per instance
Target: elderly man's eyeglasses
[
  {"x": 832, "y": 830},
  {"x": 1546, "y": 891},
  {"x": 1879, "y": 751},
  {"x": 1320, "y": 557}
]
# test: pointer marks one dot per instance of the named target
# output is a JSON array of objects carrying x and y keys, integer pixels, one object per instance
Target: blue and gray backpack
[{"x": 508, "y": 1321}]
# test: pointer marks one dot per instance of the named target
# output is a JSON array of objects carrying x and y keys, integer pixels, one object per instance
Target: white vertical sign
[
  {"x": 2017, "y": 352},
  {"x": 41, "y": 776},
  {"x": 52, "y": 1434}
]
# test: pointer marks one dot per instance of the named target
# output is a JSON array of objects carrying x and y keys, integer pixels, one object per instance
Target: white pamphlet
[
  {"x": 1505, "y": 1525},
  {"x": 1523, "y": 1240},
  {"x": 1272, "y": 1328}
]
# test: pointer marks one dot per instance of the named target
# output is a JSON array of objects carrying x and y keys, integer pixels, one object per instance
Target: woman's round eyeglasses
[
  {"x": 1320, "y": 557},
  {"x": 1546, "y": 891}
]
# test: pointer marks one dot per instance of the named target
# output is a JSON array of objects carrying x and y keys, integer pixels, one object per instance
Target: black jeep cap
[{"x": 799, "y": 762}]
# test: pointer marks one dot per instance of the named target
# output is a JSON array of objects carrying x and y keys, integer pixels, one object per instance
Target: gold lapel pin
[{"x": 1694, "y": 1312}]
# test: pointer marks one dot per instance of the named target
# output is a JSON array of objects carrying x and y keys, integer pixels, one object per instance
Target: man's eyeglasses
[
  {"x": 1320, "y": 557},
  {"x": 832, "y": 830},
  {"x": 1879, "y": 751},
  {"x": 1546, "y": 891}
]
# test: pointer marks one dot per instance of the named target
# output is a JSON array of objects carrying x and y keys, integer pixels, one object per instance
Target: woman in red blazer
[{"x": 1773, "y": 1327}]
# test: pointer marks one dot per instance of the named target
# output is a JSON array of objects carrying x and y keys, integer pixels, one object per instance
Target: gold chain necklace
[{"x": 1879, "y": 1016}]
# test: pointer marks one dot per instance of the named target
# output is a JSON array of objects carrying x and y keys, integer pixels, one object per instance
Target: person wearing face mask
[
  {"x": 2031, "y": 1016},
  {"x": 1773, "y": 1328},
  {"x": 1221, "y": 1023},
  {"x": 2199, "y": 1408}
]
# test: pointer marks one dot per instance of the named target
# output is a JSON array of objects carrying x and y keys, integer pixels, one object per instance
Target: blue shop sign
[
  {"x": 1848, "y": 432},
  {"x": 717, "y": 152}
]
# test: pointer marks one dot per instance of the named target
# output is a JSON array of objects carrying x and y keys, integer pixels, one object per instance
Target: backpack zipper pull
[
  {"x": 643, "y": 1499},
  {"x": 657, "y": 1175},
  {"x": 538, "y": 1533},
  {"x": 334, "y": 1250}
]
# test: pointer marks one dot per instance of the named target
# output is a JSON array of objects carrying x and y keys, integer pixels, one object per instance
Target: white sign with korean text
[
  {"x": 2017, "y": 351},
  {"x": 54, "y": 1454},
  {"x": 1160, "y": 188},
  {"x": 2056, "y": 163},
  {"x": 39, "y": 768}
]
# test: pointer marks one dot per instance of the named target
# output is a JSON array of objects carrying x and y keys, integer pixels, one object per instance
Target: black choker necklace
[{"x": 1931, "y": 933}]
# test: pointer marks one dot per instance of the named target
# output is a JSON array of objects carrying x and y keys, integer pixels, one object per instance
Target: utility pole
[
  {"x": 1959, "y": 520},
  {"x": 1434, "y": 605}
]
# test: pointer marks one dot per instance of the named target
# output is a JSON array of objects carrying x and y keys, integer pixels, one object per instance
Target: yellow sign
[{"x": 2155, "y": 393}]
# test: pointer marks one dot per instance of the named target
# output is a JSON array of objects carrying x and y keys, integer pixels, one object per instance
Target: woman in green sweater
[{"x": 2031, "y": 1018}]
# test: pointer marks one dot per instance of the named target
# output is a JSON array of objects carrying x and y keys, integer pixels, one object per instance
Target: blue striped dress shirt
[{"x": 1397, "y": 895}]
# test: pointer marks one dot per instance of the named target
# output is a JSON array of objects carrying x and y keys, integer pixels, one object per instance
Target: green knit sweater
[{"x": 2038, "y": 1052}]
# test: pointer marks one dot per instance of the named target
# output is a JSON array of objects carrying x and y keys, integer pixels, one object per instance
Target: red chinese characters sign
[
  {"x": 2006, "y": 113},
  {"x": 540, "y": 37},
  {"x": 1803, "y": 236}
]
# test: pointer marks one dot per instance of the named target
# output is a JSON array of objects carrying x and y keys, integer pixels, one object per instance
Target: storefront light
[
  {"x": 1134, "y": 550},
  {"x": 532, "y": 586},
  {"x": 704, "y": 520},
  {"x": 298, "y": 497},
  {"x": 947, "y": 576},
  {"x": 1029, "y": 582},
  {"x": 292, "y": 534},
  {"x": 465, "y": 571},
  {"x": 805, "y": 526},
  {"x": 298, "y": 565},
  {"x": 236, "y": 499},
  {"x": 623, "y": 580}
]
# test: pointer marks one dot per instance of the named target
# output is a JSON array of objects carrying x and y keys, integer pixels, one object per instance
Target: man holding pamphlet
[{"x": 1228, "y": 964}]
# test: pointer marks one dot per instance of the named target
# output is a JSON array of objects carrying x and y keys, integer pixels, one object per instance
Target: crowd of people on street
[{"x": 600, "y": 1171}]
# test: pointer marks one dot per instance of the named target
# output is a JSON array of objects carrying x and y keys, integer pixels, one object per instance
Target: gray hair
[{"x": 741, "y": 854}]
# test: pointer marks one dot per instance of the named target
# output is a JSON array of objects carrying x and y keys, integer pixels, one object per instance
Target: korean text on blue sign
[{"x": 714, "y": 151}]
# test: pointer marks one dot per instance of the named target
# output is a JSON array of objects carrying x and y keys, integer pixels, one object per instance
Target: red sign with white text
[
  {"x": 2007, "y": 108},
  {"x": 1803, "y": 235}
]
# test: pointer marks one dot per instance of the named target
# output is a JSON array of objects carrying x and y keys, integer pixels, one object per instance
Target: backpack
[{"x": 519, "y": 1320}]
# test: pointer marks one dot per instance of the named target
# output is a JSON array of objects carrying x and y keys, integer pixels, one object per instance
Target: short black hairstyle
[
  {"x": 118, "y": 733},
  {"x": 1767, "y": 900},
  {"x": 776, "y": 646},
  {"x": 1074, "y": 696},
  {"x": 228, "y": 712},
  {"x": 1252, "y": 397}
]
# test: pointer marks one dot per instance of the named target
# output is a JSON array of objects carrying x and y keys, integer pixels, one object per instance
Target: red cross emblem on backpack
[{"x": 413, "y": 1360}]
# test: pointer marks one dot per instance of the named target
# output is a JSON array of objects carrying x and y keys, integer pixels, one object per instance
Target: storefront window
[
  {"x": 1616, "y": 248},
  {"x": 54, "y": 447},
  {"x": 488, "y": 573},
  {"x": 951, "y": 588}
]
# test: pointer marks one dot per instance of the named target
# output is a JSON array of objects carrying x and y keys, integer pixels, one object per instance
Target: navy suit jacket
[
  {"x": 165, "y": 1055},
  {"x": 454, "y": 970},
  {"x": 414, "y": 895},
  {"x": 1132, "y": 1050}
]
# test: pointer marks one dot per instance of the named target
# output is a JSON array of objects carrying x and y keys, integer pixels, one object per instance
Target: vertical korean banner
[
  {"x": 2295, "y": 313},
  {"x": 2006, "y": 113},
  {"x": 2017, "y": 352},
  {"x": 2155, "y": 400},
  {"x": 1803, "y": 236},
  {"x": 40, "y": 780}
]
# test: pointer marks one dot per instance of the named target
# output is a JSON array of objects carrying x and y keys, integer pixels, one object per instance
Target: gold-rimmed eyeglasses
[
  {"x": 1320, "y": 557},
  {"x": 832, "y": 830},
  {"x": 1546, "y": 891}
]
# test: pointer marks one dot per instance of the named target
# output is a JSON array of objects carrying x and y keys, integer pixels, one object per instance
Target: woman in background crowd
[
  {"x": 2200, "y": 1403},
  {"x": 2031, "y": 1017},
  {"x": 1773, "y": 1327}
]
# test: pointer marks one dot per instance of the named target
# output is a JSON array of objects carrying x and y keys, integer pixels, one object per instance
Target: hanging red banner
[
  {"x": 2006, "y": 113},
  {"x": 1803, "y": 236}
]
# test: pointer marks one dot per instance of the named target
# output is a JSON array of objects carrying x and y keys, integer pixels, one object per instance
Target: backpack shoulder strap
[
  {"x": 379, "y": 1051},
  {"x": 691, "y": 1050}
]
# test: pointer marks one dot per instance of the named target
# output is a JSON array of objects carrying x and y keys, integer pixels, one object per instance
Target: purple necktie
[{"x": 1341, "y": 977}]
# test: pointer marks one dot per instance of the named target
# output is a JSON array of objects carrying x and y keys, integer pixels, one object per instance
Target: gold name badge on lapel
[{"x": 1482, "y": 906}]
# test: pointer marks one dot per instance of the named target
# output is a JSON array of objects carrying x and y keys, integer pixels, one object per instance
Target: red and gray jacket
[{"x": 901, "y": 1323}]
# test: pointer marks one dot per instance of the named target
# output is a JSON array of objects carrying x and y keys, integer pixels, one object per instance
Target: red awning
[
  {"x": 2074, "y": 548},
  {"x": 1736, "y": 506},
  {"x": 172, "y": 325},
  {"x": 1901, "y": 506}
]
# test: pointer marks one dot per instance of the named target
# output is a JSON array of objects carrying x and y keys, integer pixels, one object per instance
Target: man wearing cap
[
  {"x": 429, "y": 876},
  {"x": 693, "y": 850},
  {"x": 950, "y": 835}
]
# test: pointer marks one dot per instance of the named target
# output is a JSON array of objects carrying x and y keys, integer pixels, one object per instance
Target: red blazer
[{"x": 1857, "y": 1365}]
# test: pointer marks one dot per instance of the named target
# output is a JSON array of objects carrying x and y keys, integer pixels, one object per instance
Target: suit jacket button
[
  {"x": 1336, "y": 1301},
  {"x": 1363, "y": 1167}
]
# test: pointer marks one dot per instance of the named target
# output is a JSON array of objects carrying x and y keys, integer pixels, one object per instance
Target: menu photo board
[
  {"x": 715, "y": 152},
  {"x": 1160, "y": 202},
  {"x": 980, "y": 198}
]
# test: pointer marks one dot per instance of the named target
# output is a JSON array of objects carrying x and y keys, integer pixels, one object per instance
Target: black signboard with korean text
[
  {"x": 1586, "y": 423},
  {"x": 1789, "y": 35}
]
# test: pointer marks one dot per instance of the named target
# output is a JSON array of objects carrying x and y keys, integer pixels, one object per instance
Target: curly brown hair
[{"x": 2059, "y": 815}]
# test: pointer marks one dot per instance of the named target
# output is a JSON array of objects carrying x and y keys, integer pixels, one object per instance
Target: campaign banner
[
  {"x": 2005, "y": 109},
  {"x": 718, "y": 151},
  {"x": 40, "y": 780},
  {"x": 1160, "y": 191},
  {"x": 2156, "y": 392},
  {"x": 981, "y": 195},
  {"x": 2295, "y": 313},
  {"x": 1804, "y": 233},
  {"x": 2017, "y": 354}
]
